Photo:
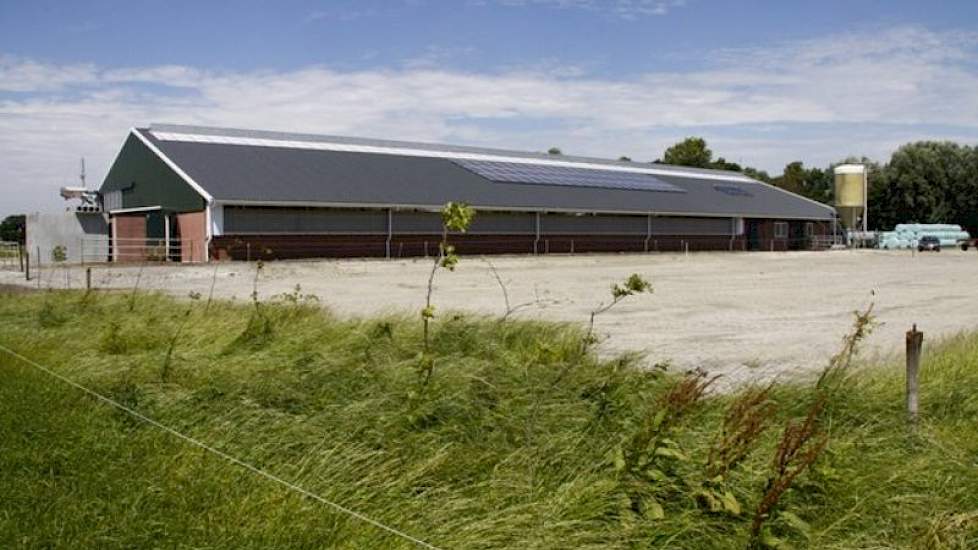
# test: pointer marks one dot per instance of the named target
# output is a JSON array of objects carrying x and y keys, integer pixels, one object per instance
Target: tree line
[{"x": 923, "y": 182}]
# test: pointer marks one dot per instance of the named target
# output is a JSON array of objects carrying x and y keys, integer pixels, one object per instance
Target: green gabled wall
[{"x": 145, "y": 180}]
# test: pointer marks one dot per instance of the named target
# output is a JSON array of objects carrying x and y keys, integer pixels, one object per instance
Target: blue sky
[{"x": 765, "y": 82}]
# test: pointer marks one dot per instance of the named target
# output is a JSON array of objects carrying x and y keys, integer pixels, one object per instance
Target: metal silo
[{"x": 850, "y": 195}]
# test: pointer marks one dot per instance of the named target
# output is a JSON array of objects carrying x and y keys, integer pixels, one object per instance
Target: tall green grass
[{"x": 491, "y": 454}]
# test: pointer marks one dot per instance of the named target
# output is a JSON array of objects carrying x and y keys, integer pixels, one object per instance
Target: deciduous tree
[
  {"x": 691, "y": 151},
  {"x": 12, "y": 228}
]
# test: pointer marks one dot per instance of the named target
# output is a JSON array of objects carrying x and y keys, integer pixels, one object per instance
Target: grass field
[{"x": 515, "y": 443}]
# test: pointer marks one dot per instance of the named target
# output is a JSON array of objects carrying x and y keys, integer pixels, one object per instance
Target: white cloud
[
  {"x": 815, "y": 100},
  {"x": 25, "y": 75}
]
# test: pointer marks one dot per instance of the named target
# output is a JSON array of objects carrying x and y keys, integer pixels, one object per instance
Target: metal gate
[{"x": 11, "y": 256}]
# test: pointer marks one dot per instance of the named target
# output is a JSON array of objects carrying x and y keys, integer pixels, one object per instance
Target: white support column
[
  {"x": 648, "y": 231},
  {"x": 537, "y": 239},
  {"x": 208, "y": 232},
  {"x": 166, "y": 236},
  {"x": 390, "y": 231},
  {"x": 217, "y": 220},
  {"x": 115, "y": 239}
]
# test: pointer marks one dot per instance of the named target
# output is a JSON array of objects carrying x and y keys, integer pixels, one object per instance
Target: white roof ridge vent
[{"x": 409, "y": 151}]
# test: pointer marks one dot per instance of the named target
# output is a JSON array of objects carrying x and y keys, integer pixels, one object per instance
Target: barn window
[
  {"x": 809, "y": 229},
  {"x": 780, "y": 230}
]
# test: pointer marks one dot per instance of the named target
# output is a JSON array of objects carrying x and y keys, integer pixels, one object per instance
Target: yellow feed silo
[{"x": 850, "y": 195}]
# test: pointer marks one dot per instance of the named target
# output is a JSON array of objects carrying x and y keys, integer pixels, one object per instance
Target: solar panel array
[
  {"x": 546, "y": 174},
  {"x": 733, "y": 190}
]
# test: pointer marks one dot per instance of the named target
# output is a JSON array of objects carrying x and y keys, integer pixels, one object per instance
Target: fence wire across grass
[{"x": 220, "y": 454}]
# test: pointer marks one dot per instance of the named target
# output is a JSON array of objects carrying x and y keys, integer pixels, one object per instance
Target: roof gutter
[{"x": 134, "y": 210}]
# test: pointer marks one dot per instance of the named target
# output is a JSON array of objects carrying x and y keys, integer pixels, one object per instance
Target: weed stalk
[
  {"x": 634, "y": 284},
  {"x": 455, "y": 217},
  {"x": 210, "y": 293},
  {"x": 802, "y": 442},
  {"x": 135, "y": 287},
  {"x": 511, "y": 309}
]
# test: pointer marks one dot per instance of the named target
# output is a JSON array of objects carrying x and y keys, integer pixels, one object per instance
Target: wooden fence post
[
  {"x": 20, "y": 256},
  {"x": 27, "y": 265},
  {"x": 915, "y": 342},
  {"x": 88, "y": 278}
]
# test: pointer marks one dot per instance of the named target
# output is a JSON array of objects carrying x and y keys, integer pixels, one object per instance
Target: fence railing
[
  {"x": 101, "y": 249},
  {"x": 96, "y": 250},
  {"x": 821, "y": 242},
  {"x": 277, "y": 247}
]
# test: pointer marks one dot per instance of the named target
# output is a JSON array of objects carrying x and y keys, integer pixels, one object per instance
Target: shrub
[{"x": 59, "y": 254}]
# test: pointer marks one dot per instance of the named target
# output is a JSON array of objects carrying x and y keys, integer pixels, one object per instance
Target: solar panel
[
  {"x": 544, "y": 174},
  {"x": 733, "y": 190}
]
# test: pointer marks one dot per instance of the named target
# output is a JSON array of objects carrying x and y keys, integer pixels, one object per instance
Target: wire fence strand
[{"x": 254, "y": 469}]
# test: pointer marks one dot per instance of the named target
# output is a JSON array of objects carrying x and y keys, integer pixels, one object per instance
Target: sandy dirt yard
[{"x": 748, "y": 316}]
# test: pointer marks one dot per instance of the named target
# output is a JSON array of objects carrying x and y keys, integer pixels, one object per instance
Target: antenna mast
[{"x": 82, "y": 175}]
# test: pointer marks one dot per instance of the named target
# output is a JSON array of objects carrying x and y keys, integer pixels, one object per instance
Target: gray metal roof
[
  {"x": 285, "y": 136},
  {"x": 235, "y": 171}
]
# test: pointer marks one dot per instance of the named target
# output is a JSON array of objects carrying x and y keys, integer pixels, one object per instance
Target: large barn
[{"x": 215, "y": 193}]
